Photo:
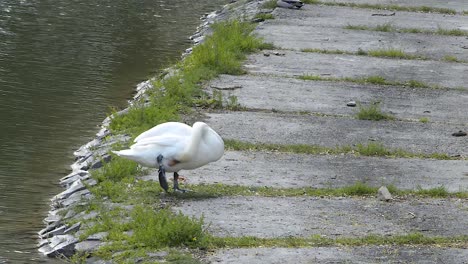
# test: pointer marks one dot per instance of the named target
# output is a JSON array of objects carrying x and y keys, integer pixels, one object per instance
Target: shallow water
[{"x": 62, "y": 65}]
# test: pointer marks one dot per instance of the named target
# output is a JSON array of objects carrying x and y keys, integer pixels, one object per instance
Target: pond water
[{"x": 63, "y": 64}]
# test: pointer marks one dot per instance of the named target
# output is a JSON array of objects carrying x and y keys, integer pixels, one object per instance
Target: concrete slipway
[{"x": 281, "y": 109}]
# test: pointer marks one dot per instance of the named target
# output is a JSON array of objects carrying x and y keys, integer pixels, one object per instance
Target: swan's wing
[
  {"x": 164, "y": 141},
  {"x": 169, "y": 128}
]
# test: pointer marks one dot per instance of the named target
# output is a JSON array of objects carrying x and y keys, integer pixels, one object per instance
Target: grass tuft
[
  {"x": 387, "y": 27},
  {"x": 424, "y": 119},
  {"x": 372, "y": 112},
  {"x": 264, "y": 16},
  {"x": 378, "y": 80},
  {"x": 163, "y": 228},
  {"x": 271, "y": 4},
  {"x": 450, "y": 58},
  {"x": 116, "y": 170}
]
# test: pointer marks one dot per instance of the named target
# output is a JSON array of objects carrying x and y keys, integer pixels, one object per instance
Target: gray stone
[
  {"x": 60, "y": 245},
  {"x": 383, "y": 194},
  {"x": 279, "y": 128},
  {"x": 294, "y": 63},
  {"x": 351, "y": 104},
  {"x": 84, "y": 150},
  {"x": 72, "y": 229},
  {"x": 318, "y": 16},
  {"x": 268, "y": 92},
  {"x": 323, "y": 27},
  {"x": 75, "y": 187},
  {"x": 59, "y": 230},
  {"x": 328, "y": 255},
  {"x": 158, "y": 255},
  {"x": 288, "y": 170},
  {"x": 52, "y": 218},
  {"x": 75, "y": 198},
  {"x": 333, "y": 217},
  {"x": 99, "y": 163},
  {"x": 458, "y": 5},
  {"x": 88, "y": 246},
  {"x": 98, "y": 236}
]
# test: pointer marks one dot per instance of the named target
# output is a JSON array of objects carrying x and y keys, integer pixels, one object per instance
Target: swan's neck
[{"x": 191, "y": 149}]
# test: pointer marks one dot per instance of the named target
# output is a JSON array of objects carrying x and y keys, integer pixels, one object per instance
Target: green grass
[
  {"x": 382, "y": 53},
  {"x": 424, "y": 119},
  {"x": 378, "y": 80},
  {"x": 422, "y": 9},
  {"x": 369, "y": 149},
  {"x": 117, "y": 170},
  {"x": 152, "y": 230},
  {"x": 390, "y": 28},
  {"x": 325, "y": 51},
  {"x": 372, "y": 112},
  {"x": 323, "y": 241},
  {"x": 271, "y": 4},
  {"x": 264, "y": 16},
  {"x": 450, "y": 58},
  {"x": 358, "y": 189},
  {"x": 393, "y": 53},
  {"x": 164, "y": 228}
]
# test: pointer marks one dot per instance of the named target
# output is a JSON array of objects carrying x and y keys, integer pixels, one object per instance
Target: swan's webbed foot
[
  {"x": 176, "y": 184},
  {"x": 162, "y": 174}
]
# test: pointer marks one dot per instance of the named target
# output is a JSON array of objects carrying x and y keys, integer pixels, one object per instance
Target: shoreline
[{"x": 60, "y": 238}]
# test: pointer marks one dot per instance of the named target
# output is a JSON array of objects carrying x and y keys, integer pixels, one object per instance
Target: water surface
[{"x": 63, "y": 63}]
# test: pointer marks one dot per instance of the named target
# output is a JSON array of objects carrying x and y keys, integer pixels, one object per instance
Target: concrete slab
[
  {"x": 362, "y": 255},
  {"x": 338, "y": 17},
  {"x": 307, "y": 37},
  {"x": 329, "y": 131},
  {"x": 333, "y": 217},
  {"x": 294, "y": 63},
  {"x": 459, "y": 5},
  {"x": 287, "y": 170},
  {"x": 268, "y": 92}
]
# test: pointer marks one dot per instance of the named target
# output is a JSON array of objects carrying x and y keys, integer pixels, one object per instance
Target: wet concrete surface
[
  {"x": 370, "y": 255},
  {"x": 290, "y": 94},
  {"x": 279, "y": 128},
  {"x": 281, "y": 109},
  {"x": 289, "y": 170},
  {"x": 333, "y": 217},
  {"x": 294, "y": 64}
]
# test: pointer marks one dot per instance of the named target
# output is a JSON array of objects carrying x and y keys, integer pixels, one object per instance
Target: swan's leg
[
  {"x": 162, "y": 174},
  {"x": 176, "y": 183}
]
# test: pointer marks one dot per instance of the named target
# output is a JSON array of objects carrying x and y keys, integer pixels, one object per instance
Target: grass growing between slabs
[
  {"x": 374, "y": 149},
  {"x": 322, "y": 241},
  {"x": 380, "y": 53},
  {"x": 358, "y": 189},
  {"x": 377, "y": 80},
  {"x": 390, "y": 28},
  {"x": 372, "y": 112}
]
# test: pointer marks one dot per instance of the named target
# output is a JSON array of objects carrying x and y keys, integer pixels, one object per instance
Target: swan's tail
[{"x": 126, "y": 153}]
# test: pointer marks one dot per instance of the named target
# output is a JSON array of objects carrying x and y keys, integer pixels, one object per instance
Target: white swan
[
  {"x": 175, "y": 146},
  {"x": 289, "y": 3}
]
